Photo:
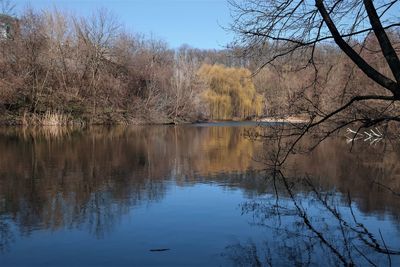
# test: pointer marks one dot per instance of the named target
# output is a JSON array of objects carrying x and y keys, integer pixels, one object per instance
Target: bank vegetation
[{"x": 58, "y": 69}]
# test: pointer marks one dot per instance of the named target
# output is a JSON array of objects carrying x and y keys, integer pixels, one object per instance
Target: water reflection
[
  {"x": 315, "y": 226},
  {"x": 90, "y": 180}
]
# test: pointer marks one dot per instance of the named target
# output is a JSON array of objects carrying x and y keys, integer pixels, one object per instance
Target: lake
[{"x": 193, "y": 195}]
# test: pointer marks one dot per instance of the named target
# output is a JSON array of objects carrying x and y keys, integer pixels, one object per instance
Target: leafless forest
[{"x": 57, "y": 68}]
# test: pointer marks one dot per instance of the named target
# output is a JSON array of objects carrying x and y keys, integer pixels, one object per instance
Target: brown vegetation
[{"x": 89, "y": 70}]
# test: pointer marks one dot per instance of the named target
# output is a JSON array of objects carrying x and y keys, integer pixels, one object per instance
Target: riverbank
[
  {"x": 57, "y": 119},
  {"x": 289, "y": 119}
]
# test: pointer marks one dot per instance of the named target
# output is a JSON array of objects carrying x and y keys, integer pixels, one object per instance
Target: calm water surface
[{"x": 194, "y": 195}]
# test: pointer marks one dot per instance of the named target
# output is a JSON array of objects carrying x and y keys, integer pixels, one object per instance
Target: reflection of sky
[
  {"x": 111, "y": 195},
  {"x": 197, "y": 222}
]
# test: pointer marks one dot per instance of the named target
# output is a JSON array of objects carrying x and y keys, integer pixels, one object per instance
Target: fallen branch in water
[{"x": 159, "y": 249}]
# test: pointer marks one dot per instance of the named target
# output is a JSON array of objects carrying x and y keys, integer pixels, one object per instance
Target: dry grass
[
  {"x": 53, "y": 119},
  {"x": 50, "y": 118}
]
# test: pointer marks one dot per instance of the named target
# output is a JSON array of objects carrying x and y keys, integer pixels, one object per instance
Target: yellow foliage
[{"x": 230, "y": 92}]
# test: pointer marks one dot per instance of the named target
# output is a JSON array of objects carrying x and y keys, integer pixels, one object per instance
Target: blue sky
[{"x": 197, "y": 23}]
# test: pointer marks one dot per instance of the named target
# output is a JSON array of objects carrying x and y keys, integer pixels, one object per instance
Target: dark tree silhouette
[
  {"x": 294, "y": 33},
  {"x": 272, "y": 30}
]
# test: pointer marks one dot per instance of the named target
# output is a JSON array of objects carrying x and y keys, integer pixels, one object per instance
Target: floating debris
[{"x": 159, "y": 249}]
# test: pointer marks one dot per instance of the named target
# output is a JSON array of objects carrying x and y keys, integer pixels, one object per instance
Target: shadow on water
[{"x": 89, "y": 179}]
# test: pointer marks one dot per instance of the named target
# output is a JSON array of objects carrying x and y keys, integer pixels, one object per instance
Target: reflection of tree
[
  {"x": 257, "y": 255},
  {"x": 82, "y": 180},
  {"x": 89, "y": 179},
  {"x": 318, "y": 219},
  {"x": 363, "y": 169},
  {"x": 311, "y": 226},
  {"x": 248, "y": 255},
  {"x": 6, "y": 235}
]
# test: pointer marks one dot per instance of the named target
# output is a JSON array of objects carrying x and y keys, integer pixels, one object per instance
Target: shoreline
[
  {"x": 290, "y": 119},
  {"x": 144, "y": 123},
  {"x": 10, "y": 120}
]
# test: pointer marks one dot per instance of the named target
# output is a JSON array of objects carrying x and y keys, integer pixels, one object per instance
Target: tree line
[{"x": 57, "y": 68}]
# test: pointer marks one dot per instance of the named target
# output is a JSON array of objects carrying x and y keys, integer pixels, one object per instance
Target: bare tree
[
  {"x": 273, "y": 30},
  {"x": 183, "y": 86},
  {"x": 92, "y": 71},
  {"x": 7, "y": 7},
  {"x": 347, "y": 56},
  {"x": 95, "y": 38}
]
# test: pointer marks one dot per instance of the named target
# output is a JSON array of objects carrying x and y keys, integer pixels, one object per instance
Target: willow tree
[{"x": 230, "y": 92}]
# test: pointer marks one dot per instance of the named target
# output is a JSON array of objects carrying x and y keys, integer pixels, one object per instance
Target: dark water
[{"x": 192, "y": 196}]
